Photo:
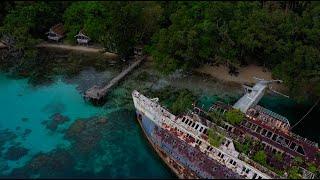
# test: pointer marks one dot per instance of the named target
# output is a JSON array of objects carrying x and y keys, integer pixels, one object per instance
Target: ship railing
[
  {"x": 263, "y": 169},
  {"x": 304, "y": 139}
]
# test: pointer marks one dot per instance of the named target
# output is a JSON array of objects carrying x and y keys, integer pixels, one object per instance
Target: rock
[
  {"x": 15, "y": 153},
  {"x": 86, "y": 133},
  {"x": 27, "y": 132},
  {"x": 6, "y": 136},
  {"x": 102, "y": 121},
  {"x": 59, "y": 118},
  {"x": 55, "y": 121},
  {"x": 53, "y": 162},
  {"x": 75, "y": 128}
]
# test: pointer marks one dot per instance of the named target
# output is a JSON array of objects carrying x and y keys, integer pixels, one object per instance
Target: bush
[
  {"x": 214, "y": 138},
  {"x": 260, "y": 157},
  {"x": 294, "y": 173},
  {"x": 234, "y": 116},
  {"x": 183, "y": 102},
  {"x": 312, "y": 168},
  {"x": 278, "y": 157},
  {"x": 297, "y": 160}
]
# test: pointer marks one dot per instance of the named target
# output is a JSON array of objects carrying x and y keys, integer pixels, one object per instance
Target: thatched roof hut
[{"x": 56, "y": 32}]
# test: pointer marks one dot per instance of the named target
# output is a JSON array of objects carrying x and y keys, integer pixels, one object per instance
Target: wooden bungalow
[
  {"x": 137, "y": 50},
  {"x": 2, "y": 46},
  {"x": 82, "y": 38},
  {"x": 56, "y": 33},
  {"x": 7, "y": 41}
]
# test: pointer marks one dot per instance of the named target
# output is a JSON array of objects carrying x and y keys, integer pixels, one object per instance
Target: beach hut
[
  {"x": 56, "y": 32},
  {"x": 82, "y": 38},
  {"x": 137, "y": 50},
  {"x": 8, "y": 40}
]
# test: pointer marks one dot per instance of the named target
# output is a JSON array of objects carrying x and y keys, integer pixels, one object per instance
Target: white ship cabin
[
  {"x": 138, "y": 50},
  {"x": 82, "y": 38},
  {"x": 271, "y": 118},
  {"x": 56, "y": 33}
]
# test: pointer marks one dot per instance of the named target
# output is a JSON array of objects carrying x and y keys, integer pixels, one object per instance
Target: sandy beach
[
  {"x": 245, "y": 75},
  {"x": 78, "y": 48}
]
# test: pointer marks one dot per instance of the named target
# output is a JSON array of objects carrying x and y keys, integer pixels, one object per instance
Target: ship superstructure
[
  {"x": 184, "y": 143},
  {"x": 184, "y": 140}
]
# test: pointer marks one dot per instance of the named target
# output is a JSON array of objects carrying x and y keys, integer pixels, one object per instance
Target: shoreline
[
  {"x": 245, "y": 75},
  {"x": 87, "y": 49}
]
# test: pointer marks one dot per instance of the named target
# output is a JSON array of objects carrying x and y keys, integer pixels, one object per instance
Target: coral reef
[
  {"x": 55, "y": 120},
  {"x": 86, "y": 133},
  {"x": 6, "y": 136},
  {"x": 15, "y": 153},
  {"x": 26, "y": 132},
  {"x": 53, "y": 164}
]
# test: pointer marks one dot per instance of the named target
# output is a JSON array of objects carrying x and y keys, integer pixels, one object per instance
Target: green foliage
[
  {"x": 185, "y": 35},
  {"x": 278, "y": 157},
  {"x": 301, "y": 74},
  {"x": 312, "y": 168},
  {"x": 183, "y": 102},
  {"x": 241, "y": 32},
  {"x": 24, "y": 25},
  {"x": 260, "y": 157},
  {"x": 216, "y": 117},
  {"x": 244, "y": 147},
  {"x": 89, "y": 16},
  {"x": 234, "y": 116},
  {"x": 297, "y": 160},
  {"x": 215, "y": 139},
  {"x": 294, "y": 173}
]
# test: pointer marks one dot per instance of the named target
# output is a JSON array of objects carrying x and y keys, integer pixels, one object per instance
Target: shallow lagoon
[{"x": 125, "y": 153}]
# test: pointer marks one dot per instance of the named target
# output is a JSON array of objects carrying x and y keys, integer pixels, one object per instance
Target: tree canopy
[{"x": 282, "y": 36}]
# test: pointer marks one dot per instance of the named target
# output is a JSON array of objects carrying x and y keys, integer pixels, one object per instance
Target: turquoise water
[{"x": 123, "y": 153}]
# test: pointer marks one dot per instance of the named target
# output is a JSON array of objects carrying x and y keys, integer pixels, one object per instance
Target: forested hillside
[{"x": 281, "y": 35}]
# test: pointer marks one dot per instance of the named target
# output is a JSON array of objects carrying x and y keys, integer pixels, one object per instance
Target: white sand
[{"x": 245, "y": 75}]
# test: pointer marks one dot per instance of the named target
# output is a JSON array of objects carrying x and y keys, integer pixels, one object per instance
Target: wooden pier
[{"x": 97, "y": 94}]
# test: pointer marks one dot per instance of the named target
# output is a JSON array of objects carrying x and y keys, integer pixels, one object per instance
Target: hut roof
[
  {"x": 139, "y": 46},
  {"x": 58, "y": 29},
  {"x": 81, "y": 33}
]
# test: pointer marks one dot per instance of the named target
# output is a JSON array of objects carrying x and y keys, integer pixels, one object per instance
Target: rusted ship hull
[
  {"x": 175, "y": 156},
  {"x": 174, "y": 166}
]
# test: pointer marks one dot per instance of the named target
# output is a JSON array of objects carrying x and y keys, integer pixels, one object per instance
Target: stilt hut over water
[
  {"x": 56, "y": 33},
  {"x": 82, "y": 38}
]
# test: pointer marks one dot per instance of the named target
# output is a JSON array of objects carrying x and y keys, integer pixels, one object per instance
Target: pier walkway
[{"x": 97, "y": 94}]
